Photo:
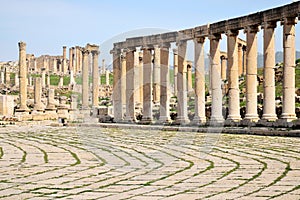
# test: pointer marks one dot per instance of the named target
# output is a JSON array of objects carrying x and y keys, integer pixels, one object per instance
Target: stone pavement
[{"x": 39, "y": 162}]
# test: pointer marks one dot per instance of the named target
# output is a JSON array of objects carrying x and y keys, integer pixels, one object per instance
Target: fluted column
[
  {"x": 216, "y": 105},
  {"x": 117, "y": 86},
  {"x": 288, "y": 104},
  {"x": 269, "y": 109},
  {"x": 147, "y": 86},
  {"x": 85, "y": 80},
  {"x": 95, "y": 55},
  {"x": 182, "y": 112},
  {"x": 156, "y": 74},
  {"x": 233, "y": 81},
  {"x": 23, "y": 77},
  {"x": 199, "y": 117},
  {"x": 130, "y": 101},
  {"x": 251, "y": 74},
  {"x": 175, "y": 64},
  {"x": 164, "y": 84}
]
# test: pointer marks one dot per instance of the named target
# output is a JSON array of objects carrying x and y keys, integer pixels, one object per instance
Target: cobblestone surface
[{"x": 41, "y": 162}]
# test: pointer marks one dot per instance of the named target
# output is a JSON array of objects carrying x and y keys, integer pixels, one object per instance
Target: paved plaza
[{"x": 40, "y": 162}]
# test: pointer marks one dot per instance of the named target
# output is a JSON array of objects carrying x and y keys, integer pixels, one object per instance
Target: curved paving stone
[{"x": 96, "y": 163}]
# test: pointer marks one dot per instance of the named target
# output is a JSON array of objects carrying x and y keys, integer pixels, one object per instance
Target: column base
[
  {"x": 164, "y": 120},
  {"x": 146, "y": 120},
  {"x": 182, "y": 120},
  {"x": 269, "y": 117},
  {"x": 199, "y": 121},
  {"x": 288, "y": 116},
  {"x": 130, "y": 119},
  {"x": 251, "y": 117},
  {"x": 234, "y": 118}
]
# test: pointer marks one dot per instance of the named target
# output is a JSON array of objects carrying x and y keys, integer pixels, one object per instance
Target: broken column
[{"x": 38, "y": 105}]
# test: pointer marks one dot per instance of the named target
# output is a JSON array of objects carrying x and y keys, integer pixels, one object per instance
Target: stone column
[
  {"x": 233, "y": 82},
  {"x": 54, "y": 66},
  {"x": 107, "y": 77},
  {"x": 103, "y": 66},
  {"x": 182, "y": 113},
  {"x": 288, "y": 104},
  {"x": 130, "y": 101},
  {"x": 7, "y": 77},
  {"x": 164, "y": 116},
  {"x": 216, "y": 105},
  {"x": 48, "y": 80},
  {"x": 17, "y": 80},
  {"x": 137, "y": 78},
  {"x": 244, "y": 60},
  {"x": 141, "y": 76},
  {"x": 147, "y": 86},
  {"x": 50, "y": 100},
  {"x": 240, "y": 58},
  {"x": 269, "y": 109},
  {"x": 70, "y": 58},
  {"x": 61, "y": 81},
  {"x": 72, "y": 79},
  {"x": 251, "y": 74},
  {"x": 43, "y": 78},
  {"x": 23, "y": 77},
  {"x": 95, "y": 55},
  {"x": 223, "y": 67},
  {"x": 117, "y": 86},
  {"x": 64, "y": 64},
  {"x": 78, "y": 60},
  {"x": 85, "y": 80},
  {"x": 175, "y": 63},
  {"x": 189, "y": 77},
  {"x": 2, "y": 76},
  {"x": 37, "y": 95},
  {"x": 123, "y": 79},
  {"x": 199, "y": 117},
  {"x": 156, "y": 75}
]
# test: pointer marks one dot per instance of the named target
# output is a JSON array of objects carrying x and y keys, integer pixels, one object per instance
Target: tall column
[
  {"x": 147, "y": 86},
  {"x": 233, "y": 82},
  {"x": 199, "y": 117},
  {"x": 175, "y": 64},
  {"x": 71, "y": 58},
  {"x": 48, "y": 80},
  {"x": 95, "y": 55},
  {"x": 43, "y": 78},
  {"x": 288, "y": 104},
  {"x": 182, "y": 112},
  {"x": 54, "y": 66},
  {"x": 189, "y": 78},
  {"x": 64, "y": 64},
  {"x": 85, "y": 79},
  {"x": 78, "y": 61},
  {"x": 137, "y": 78},
  {"x": 103, "y": 66},
  {"x": 123, "y": 79},
  {"x": 107, "y": 77},
  {"x": 269, "y": 109},
  {"x": 141, "y": 77},
  {"x": 156, "y": 74},
  {"x": 244, "y": 60},
  {"x": 216, "y": 106},
  {"x": 23, "y": 77},
  {"x": 251, "y": 73},
  {"x": 130, "y": 101},
  {"x": 117, "y": 86},
  {"x": 17, "y": 80},
  {"x": 50, "y": 100},
  {"x": 223, "y": 67},
  {"x": 164, "y": 116},
  {"x": 37, "y": 94},
  {"x": 240, "y": 59}
]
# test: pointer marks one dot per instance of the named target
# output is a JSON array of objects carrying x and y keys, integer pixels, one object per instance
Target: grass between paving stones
[
  {"x": 23, "y": 159},
  {"x": 286, "y": 192},
  {"x": 1, "y": 152}
]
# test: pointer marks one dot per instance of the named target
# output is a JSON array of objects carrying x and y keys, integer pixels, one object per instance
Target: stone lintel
[
  {"x": 187, "y": 34},
  {"x": 201, "y": 31}
]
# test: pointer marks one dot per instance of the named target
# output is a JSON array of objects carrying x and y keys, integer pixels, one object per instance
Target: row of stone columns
[{"x": 155, "y": 83}]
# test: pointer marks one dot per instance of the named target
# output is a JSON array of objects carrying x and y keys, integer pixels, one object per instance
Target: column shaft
[
  {"x": 175, "y": 63},
  {"x": 182, "y": 112},
  {"x": 156, "y": 75},
  {"x": 216, "y": 106},
  {"x": 288, "y": 104},
  {"x": 269, "y": 109},
  {"x": 164, "y": 85},
  {"x": 130, "y": 101},
  {"x": 117, "y": 87},
  {"x": 147, "y": 86},
  {"x": 240, "y": 59},
  {"x": 199, "y": 117},
  {"x": 85, "y": 80},
  {"x": 233, "y": 81},
  {"x": 95, "y": 55},
  {"x": 23, "y": 76},
  {"x": 251, "y": 74}
]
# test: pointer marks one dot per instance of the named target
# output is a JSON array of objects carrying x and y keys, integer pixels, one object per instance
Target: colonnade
[{"x": 159, "y": 46}]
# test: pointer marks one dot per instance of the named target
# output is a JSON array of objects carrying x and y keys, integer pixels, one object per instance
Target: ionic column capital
[
  {"x": 22, "y": 45},
  {"x": 85, "y": 52},
  {"x": 95, "y": 53},
  {"x": 216, "y": 36},
  {"x": 289, "y": 21},
  {"x": 269, "y": 25}
]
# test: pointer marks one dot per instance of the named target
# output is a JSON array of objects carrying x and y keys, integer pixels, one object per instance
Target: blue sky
[{"x": 47, "y": 25}]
